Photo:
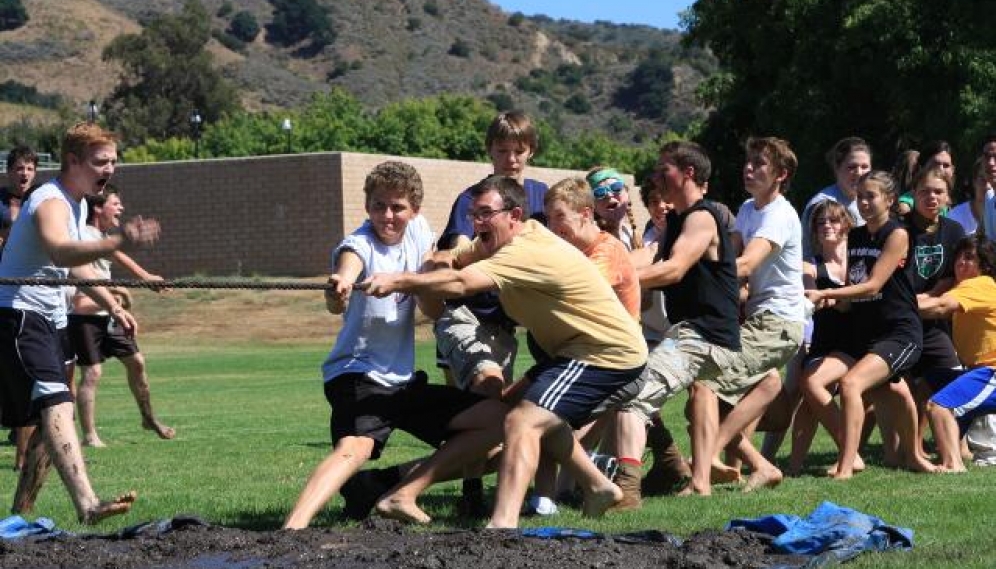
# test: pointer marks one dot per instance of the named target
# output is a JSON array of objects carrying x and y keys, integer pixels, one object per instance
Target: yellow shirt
[
  {"x": 551, "y": 288},
  {"x": 975, "y": 326}
]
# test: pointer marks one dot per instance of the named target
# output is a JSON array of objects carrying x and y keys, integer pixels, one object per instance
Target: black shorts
[
  {"x": 938, "y": 354},
  {"x": 32, "y": 367},
  {"x": 573, "y": 390},
  {"x": 362, "y": 407},
  {"x": 96, "y": 337}
]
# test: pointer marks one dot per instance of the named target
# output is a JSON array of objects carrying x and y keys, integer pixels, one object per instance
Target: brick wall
[{"x": 276, "y": 215}]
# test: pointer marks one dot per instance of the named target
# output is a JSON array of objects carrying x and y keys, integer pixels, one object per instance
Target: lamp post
[
  {"x": 195, "y": 131},
  {"x": 287, "y": 127},
  {"x": 92, "y": 111}
]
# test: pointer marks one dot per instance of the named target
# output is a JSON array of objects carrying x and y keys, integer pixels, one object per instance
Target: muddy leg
[
  {"x": 138, "y": 382},
  {"x": 86, "y": 404},
  {"x": 33, "y": 473},
  {"x": 59, "y": 432}
]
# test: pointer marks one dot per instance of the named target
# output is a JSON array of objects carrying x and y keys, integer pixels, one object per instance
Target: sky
[{"x": 659, "y": 13}]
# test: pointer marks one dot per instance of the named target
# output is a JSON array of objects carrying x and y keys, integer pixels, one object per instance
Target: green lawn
[{"x": 252, "y": 422}]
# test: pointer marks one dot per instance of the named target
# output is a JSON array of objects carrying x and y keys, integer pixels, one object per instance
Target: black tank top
[
  {"x": 829, "y": 325},
  {"x": 893, "y": 311},
  {"x": 707, "y": 296}
]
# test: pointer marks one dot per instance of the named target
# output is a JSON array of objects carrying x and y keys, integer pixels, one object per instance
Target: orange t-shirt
[{"x": 612, "y": 259}]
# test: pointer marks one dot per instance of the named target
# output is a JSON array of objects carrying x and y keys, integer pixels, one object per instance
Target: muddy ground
[{"x": 384, "y": 544}]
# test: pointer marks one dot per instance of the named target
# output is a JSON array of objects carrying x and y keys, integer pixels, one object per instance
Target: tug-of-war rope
[{"x": 168, "y": 284}]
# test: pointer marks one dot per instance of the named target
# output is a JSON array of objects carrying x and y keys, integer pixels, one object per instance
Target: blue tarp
[
  {"x": 831, "y": 532},
  {"x": 16, "y": 527}
]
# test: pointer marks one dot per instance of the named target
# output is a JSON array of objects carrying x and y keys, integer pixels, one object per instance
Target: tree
[
  {"x": 647, "y": 89},
  {"x": 12, "y": 15},
  {"x": 895, "y": 72},
  {"x": 166, "y": 74},
  {"x": 244, "y": 26},
  {"x": 297, "y": 20}
]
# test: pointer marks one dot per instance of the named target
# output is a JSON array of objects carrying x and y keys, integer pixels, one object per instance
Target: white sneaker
[
  {"x": 984, "y": 458},
  {"x": 541, "y": 506}
]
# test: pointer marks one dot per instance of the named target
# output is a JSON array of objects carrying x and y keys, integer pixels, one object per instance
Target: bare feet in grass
[
  {"x": 92, "y": 441},
  {"x": 859, "y": 466},
  {"x": 108, "y": 508},
  {"x": 165, "y": 432},
  {"x": 920, "y": 464},
  {"x": 601, "y": 499},
  {"x": 397, "y": 508},
  {"x": 720, "y": 473},
  {"x": 766, "y": 478}
]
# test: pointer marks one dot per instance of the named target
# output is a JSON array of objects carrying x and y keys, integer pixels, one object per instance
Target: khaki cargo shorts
[
  {"x": 767, "y": 342},
  {"x": 470, "y": 346},
  {"x": 681, "y": 358}
]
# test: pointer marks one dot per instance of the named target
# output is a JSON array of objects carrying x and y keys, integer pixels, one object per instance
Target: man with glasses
[
  {"x": 555, "y": 292},
  {"x": 475, "y": 340}
]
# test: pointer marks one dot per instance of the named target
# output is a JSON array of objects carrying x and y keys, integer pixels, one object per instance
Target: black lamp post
[
  {"x": 287, "y": 127},
  {"x": 92, "y": 111},
  {"x": 195, "y": 131}
]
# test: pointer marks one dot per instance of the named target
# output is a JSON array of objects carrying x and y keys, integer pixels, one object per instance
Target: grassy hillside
[{"x": 385, "y": 50}]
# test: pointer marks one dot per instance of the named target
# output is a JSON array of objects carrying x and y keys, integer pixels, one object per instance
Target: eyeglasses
[
  {"x": 824, "y": 220},
  {"x": 602, "y": 192},
  {"x": 485, "y": 214}
]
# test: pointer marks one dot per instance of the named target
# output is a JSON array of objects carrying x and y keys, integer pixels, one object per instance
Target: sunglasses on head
[{"x": 602, "y": 192}]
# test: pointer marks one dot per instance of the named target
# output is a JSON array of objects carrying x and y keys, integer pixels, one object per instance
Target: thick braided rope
[{"x": 156, "y": 285}]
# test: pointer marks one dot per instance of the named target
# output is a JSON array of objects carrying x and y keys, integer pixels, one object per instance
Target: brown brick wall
[{"x": 276, "y": 215}]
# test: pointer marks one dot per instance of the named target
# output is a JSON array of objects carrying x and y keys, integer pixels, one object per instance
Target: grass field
[{"x": 252, "y": 423}]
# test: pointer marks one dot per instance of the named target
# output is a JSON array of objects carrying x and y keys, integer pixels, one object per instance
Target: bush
[
  {"x": 516, "y": 19},
  {"x": 430, "y": 7},
  {"x": 502, "y": 101},
  {"x": 15, "y": 92},
  {"x": 225, "y": 9},
  {"x": 578, "y": 104},
  {"x": 460, "y": 48},
  {"x": 414, "y": 24},
  {"x": 12, "y": 15},
  {"x": 228, "y": 40},
  {"x": 297, "y": 20},
  {"x": 244, "y": 26}
]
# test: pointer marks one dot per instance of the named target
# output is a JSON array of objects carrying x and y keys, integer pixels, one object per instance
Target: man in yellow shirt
[{"x": 550, "y": 288}]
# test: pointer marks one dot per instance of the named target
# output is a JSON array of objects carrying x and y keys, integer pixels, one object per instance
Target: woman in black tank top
[
  {"x": 884, "y": 316},
  {"x": 828, "y": 228}
]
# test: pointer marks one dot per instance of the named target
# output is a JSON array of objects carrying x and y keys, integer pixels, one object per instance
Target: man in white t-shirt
[{"x": 768, "y": 237}]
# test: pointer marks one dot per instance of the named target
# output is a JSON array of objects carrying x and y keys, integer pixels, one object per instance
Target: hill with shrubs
[{"x": 629, "y": 82}]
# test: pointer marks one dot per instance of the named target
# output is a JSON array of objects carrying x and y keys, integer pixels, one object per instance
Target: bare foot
[
  {"x": 108, "y": 508},
  {"x": 694, "y": 489},
  {"x": 596, "y": 502},
  {"x": 92, "y": 441},
  {"x": 397, "y": 508},
  {"x": 766, "y": 478},
  {"x": 920, "y": 464},
  {"x": 164, "y": 432},
  {"x": 858, "y": 466},
  {"x": 720, "y": 473}
]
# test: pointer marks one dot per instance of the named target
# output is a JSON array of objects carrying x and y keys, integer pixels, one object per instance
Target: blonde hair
[
  {"x": 80, "y": 138},
  {"x": 572, "y": 191}
]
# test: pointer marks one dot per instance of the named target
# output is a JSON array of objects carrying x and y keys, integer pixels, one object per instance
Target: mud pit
[{"x": 386, "y": 544}]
